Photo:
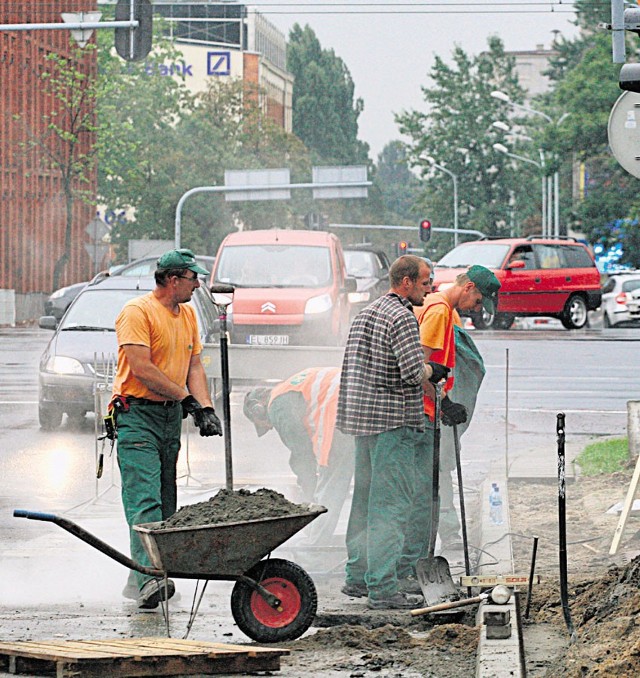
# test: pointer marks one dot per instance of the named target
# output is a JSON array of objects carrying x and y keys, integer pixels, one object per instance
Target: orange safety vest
[
  {"x": 446, "y": 355},
  {"x": 319, "y": 387}
]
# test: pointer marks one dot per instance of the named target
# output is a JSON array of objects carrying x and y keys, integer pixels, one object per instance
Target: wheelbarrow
[{"x": 273, "y": 600}]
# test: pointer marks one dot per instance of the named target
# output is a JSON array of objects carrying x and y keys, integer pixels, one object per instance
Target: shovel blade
[{"x": 435, "y": 581}]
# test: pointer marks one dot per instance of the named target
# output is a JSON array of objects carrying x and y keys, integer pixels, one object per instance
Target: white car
[{"x": 616, "y": 295}]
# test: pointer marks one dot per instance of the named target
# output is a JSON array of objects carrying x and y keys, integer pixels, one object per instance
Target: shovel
[{"x": 433, "y": 573}]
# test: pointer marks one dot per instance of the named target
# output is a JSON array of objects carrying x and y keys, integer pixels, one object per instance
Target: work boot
[
  {"x": 355, "y": 590},
  {"x": 153, "y": 592},
  {"x": 130, "y": 589},
  {"x": 398, "y": 601}
]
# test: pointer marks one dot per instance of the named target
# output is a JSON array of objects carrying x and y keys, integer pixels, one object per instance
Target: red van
[
  {"x": 291, "y": 287},
  {"x": 539, "y": 277}
]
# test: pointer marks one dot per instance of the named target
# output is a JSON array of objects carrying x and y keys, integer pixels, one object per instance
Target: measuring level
[{"x": 495, "y": 579}]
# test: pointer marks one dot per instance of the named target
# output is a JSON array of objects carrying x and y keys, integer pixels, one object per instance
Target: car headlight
[
  {"x": 319, "y": 304},
  {"x": 62, "y": 365},
  {"x": 359, "y": 297}
]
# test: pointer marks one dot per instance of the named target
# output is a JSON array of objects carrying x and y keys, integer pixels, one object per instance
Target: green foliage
[
  {"x": 607, "y": 456},
  {"x": 397, "y": 184},
  {"x": 457, "y": 132},
  {"x": 325, "y": 115}
]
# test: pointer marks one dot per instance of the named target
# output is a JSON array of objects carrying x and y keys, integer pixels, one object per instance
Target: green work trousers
[
  {"x": 416, "y": 538},
  {"x": 148, "y": 446},
  {"x": 384, "y": 487}
]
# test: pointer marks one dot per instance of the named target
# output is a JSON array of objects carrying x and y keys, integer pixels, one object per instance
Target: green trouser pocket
[{"x": 148, "y": 446}]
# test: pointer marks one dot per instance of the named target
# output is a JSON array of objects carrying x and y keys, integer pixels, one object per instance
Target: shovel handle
[{"x": 449, "y": 606}]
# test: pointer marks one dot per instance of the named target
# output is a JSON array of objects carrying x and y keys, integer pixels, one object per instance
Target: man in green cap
[
  {"x": 437, "y": 318},
  {"x": 159, "y": 381}
]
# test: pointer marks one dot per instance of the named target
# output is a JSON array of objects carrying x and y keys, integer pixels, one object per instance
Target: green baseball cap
[
  {"x": 183, "y": 258},
  {"x": 487, "y": 284}
]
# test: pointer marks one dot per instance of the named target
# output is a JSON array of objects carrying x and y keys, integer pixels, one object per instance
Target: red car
[
  {"x": 539, "y": 277},
  {"x": 291, "y": 287}
]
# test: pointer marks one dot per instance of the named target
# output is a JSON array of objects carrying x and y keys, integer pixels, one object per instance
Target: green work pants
[
  {"x": 416, "y": 540},
  {"x": 148, "y": 446},
  {"x": 384, "y": 487}
]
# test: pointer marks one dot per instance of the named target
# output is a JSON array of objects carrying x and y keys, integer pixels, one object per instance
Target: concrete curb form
[{"x": 497, "y": 657}]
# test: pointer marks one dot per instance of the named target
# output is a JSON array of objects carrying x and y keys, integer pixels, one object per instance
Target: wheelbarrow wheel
[{"x": 296, "y": 591}]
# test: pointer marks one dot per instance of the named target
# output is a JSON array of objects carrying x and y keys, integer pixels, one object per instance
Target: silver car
[{"x": 616, "y": 295}]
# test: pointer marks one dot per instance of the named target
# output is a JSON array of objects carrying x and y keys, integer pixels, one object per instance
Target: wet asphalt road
[{"x": 588, "y": 374}]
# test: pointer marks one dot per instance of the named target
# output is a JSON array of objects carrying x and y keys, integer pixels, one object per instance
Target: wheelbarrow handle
[
  {"x": 88, "y": 538},
  {"x": 34, "y": 515}
]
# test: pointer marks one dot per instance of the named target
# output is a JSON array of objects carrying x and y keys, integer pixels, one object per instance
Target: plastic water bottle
[{"x": 495, "y": 505}]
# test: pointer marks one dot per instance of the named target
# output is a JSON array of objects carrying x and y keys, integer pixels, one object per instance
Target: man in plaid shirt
[{"x": 380, "y": 402}]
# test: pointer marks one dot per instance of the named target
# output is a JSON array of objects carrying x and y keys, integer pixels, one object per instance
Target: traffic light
[
  {"x": 133, "y": 44},
  {"x": 425, "y": 230},
  {"x": 401, "y": 248}
]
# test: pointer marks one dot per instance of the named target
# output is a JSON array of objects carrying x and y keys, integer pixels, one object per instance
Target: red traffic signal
[
  {"x": 402, "y": 247},
  {"x": 425, "y": 230}
]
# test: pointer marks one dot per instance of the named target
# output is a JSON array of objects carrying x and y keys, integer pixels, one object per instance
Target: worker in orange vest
[{"x": 302, "y": 410}]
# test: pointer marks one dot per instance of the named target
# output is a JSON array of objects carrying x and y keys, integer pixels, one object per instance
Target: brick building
[{"x": 32, "y": 199}]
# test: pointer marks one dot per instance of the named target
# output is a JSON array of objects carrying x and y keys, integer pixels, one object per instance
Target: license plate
[{"x": 268, "y": 339}]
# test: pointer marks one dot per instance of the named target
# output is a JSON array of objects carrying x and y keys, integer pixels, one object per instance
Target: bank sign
[{"x": 199, "y": 64}]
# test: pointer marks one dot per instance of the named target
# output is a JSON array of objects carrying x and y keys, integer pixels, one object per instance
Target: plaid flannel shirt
[{"x": 382, "y": 370}]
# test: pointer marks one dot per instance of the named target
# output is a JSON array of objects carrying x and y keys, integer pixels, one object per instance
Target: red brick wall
[{"x": 32, "y": 205}]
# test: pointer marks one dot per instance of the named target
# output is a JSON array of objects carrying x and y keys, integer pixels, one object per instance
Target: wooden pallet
[{"x": 134, "y": 657}]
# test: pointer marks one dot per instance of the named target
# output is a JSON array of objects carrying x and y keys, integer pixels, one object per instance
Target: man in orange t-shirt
[
  {"x": 159, "y": 381},
  {"x": 475, "y": 288}
]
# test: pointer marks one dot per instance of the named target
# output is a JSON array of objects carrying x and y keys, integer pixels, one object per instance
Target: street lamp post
[
  {"x": 540, "y": 165},
  {"x": 553, "y": 184},
  {"x": 433, "y": 163}
]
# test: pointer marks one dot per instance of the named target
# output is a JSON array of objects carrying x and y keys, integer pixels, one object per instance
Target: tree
[
  {"x": 325, "y": 115},
  {"x": 456, "y": 130},
  {"x": 397, "y": 184},
  {"x": 67, "y": 147}
]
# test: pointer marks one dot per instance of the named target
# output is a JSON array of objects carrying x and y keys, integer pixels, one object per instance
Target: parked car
[
  {"x": 83, "y": 349},
  {"x": 59, "y": 301},
  {"x": 616, "y": 294},
  {"x": 370, "y": 268},
  {"x": 291, "y": 287},
  {"x": 557, "y": 278}
]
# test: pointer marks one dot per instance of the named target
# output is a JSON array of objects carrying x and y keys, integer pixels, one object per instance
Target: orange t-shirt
[
  {"x": 172, "y": 338},
  {"x": 437, "y": 318}
]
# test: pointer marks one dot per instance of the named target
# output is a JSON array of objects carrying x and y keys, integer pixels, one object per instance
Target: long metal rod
[
  {"x": 226, "y": 403},
  {"x": 463, "y": 513},
  {"x": 435, "y": 480},
  {"x": 506, "y": 414},
  {"x": 531, "y": 575},
  {"x": 77, "y": 25},
  {"x": 562, "y": 524}
]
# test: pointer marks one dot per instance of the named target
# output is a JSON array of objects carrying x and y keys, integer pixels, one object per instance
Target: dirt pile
[
  {"x": 232, "y": 506},
  {"x": 446, "y": 651},
  {"x": 604, "y": 590}
]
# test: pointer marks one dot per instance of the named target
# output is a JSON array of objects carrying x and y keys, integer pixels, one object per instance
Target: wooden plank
[
  {"x": 135, "y": 657},
  {"x": 626, "y": 510}
]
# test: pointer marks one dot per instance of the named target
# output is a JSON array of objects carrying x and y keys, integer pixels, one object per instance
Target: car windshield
[
  {"x": 630, "y": 285},
  {"x": 275, "y": 266},
  {"x": 97, "y": 309},
  {"x": 359, "y": 264},
  {"x": 486, "y": 254}
]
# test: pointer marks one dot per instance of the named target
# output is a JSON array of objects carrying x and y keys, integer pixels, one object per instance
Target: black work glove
[
  {"x": 207, "y": 421},
  {"x": 204, "y": 418},
  {"x": 439, "y": 373},
  {"x": 453, "y": 413}
]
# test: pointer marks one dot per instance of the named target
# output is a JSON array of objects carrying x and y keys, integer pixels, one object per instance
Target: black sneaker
[
  {"x": 398, "y": 601},
  {"x": 153, "y": 592},
  {"x": 355, "y": 590},
  {"x": 409, "y": 585}
]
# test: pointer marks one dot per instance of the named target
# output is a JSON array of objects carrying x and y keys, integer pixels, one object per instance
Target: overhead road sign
[
  {"x": 340, "y": 175},
  {"x": 263, "y": 179},
  {"x": 624, "y": 132}
]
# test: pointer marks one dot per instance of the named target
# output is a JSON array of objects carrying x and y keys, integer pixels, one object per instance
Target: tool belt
[{"x": 117, "y": 405}]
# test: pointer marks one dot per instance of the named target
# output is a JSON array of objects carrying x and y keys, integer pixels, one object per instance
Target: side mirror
[
  {"x": 516, "y": 264},
  {"x": 47, "y": 322},
  {"x": 350, "y": 285}
]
